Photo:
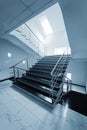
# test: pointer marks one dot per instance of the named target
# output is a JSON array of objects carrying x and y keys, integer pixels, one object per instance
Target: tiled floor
[{"x": 19, "y": 111}]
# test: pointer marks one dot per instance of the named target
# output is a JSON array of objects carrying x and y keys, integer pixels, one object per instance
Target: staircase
[{"x": 43, "y": 80}]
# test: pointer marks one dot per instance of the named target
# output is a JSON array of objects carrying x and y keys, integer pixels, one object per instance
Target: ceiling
[
  {"x": 15, "y": 12},
  {"x": 58, "y": 37},
  {"x": 54, "y": 39}
]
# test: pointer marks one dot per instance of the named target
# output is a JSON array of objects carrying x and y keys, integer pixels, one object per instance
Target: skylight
[{"x": 46, "y": 25}]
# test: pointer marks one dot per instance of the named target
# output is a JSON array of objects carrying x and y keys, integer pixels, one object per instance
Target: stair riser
[
  {"x": 43, "y": 72},
  {"x": 41, "y": 76},
  {"x": 39, "y": 71},
  {"x": 45, "y": 69},
  {"x": 39, "y": 91},
  {"x": 47, "y": 62},
  {"x": 41, "y": 83},
  {"x": 50, "y": 65},
  {"x": 38, "y": 79},
  {"x": 41, "y": 68},
  {"x": 44, "y": 66}
]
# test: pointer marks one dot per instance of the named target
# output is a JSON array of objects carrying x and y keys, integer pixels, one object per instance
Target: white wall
[
  {"x": 17, "y": 53},
  {"x": 75, "y": 18},
  {"x": 59, "y": 37},
  {"x": 77, "y": 69},
  {"x": 14, "y": 40}
]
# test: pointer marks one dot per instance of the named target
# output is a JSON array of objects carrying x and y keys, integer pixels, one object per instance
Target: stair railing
[
  {"x": 66, "y": 81},
  {"x": 22, "y": 66},
  {"x": 30, "y": 38},
  {"x": 61, "y": 92},
  {"x": 55, "y": 73},
  {"x": 18, "y": 72}
]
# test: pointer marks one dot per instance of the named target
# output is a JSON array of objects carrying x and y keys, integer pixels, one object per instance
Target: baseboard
[
  {"x": 77, "y": 84},
  {"x": 9, "y": 78}
]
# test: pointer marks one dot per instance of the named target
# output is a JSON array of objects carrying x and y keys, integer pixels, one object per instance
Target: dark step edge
[
  {"x": 34, "y": 86},
  {"x": 35, "y": 96},
  {"x": 42, "y": 82},
  {"x": 38, "y": 75},
  {"x": 39, "y": 71}
]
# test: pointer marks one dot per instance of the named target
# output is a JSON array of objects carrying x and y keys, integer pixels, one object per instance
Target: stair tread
[
  {"x": 44, "y": 73},
  {"x": 45, "y": 77},
  {"x": 41, "y": 68},
  {"x": 47, "y": 66},
  {"x": 44, "y": 68},
  {"x": 38, "y": 79},
  {"x": 41, "y": 71},
  {"x": 40, "y": 75},
  {"x": 47, "y": 61},
  {"x": 37, "y": 95},
  {"x": 36, "y": 86},
  {"x": 42, "y": 81}
]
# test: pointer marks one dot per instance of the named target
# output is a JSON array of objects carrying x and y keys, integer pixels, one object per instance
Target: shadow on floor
[{"x": 77, "y": 102}]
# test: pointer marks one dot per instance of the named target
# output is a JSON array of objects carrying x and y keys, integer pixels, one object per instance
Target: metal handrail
[
  {"x": 16, "y": 67},
  {"x": 60, "y": 74},
  {"x": 56, "y": 73},
  {"x": 20, "y": 68},
  {"x": 55, "y": 76},
  {"x": 16, "y": 71},
  {"x": 17, "y": 63},
  {"x": 57, "y": 63},
  {"x": 69, "y": 81},
  {"x": 26, "y": 58}
]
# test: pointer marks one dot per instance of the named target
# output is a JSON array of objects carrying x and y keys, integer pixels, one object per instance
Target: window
[
  {"x": 60, "y": 51},
  {"x": 69, "y": 75}
]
